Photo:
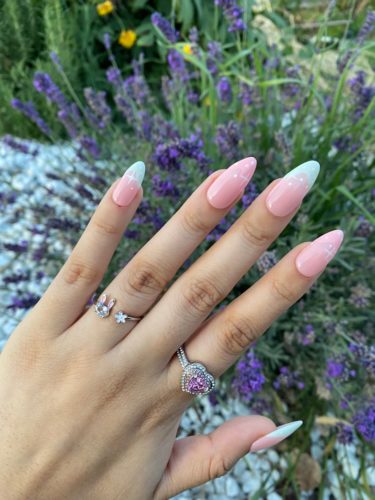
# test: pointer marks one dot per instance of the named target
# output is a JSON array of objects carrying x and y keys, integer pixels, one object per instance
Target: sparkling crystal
[
  {"x": 101, "y": 310},
  {"x": 197, "y": 384},
  {"x": 120, "y": 317}
]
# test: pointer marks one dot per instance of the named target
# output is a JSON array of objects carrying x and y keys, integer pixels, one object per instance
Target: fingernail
[
  {"x": 129, "y": 184},
  {"x": 276, "y": 436},
  {"x": 230, "y": 183},
  {"x": 293, "y": 187},
  {"x": 314, "y": 258}
]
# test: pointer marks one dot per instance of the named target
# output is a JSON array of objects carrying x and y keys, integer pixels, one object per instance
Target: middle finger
[{"x": 209, "y": 280}]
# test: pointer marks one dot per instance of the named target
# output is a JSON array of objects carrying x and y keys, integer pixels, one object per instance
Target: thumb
[{"x": 197, "y": 459}]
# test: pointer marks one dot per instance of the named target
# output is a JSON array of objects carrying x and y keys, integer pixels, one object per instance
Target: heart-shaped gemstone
[{"x": 196, "y": 379}]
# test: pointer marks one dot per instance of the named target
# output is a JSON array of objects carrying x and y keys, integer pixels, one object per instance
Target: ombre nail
[
  {"x": 292, "y": 188},
  {"x": 129, "y": 184},
  {"x": 276, "y": 436},
  {"x": 314, "y": 258},
  {"x": 229, "y": 185}
]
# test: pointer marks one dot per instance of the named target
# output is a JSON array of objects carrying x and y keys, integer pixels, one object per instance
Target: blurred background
[{"x": 88, "y": 87}]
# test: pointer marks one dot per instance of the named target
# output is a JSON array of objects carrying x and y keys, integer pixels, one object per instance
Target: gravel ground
[{"x": 26, "y": 174}]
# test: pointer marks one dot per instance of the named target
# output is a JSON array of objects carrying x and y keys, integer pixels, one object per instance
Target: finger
[
  {"x": 82, "y": 272},
  {"x": 198, "y": 459},
  {"x": 230, "y": 332},
  {"x": 139, "y": 284},
  {"x": 193, "y": 296}
]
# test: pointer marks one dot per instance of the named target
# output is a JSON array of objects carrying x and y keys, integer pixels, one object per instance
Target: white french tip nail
[
  {"x": 137, "y": 171},
  {"x": 283, "y": 431},
  {"x": 310, "y": 169}
]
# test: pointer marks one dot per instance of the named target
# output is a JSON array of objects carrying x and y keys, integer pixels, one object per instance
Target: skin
[{"x": 90, "y": 409}]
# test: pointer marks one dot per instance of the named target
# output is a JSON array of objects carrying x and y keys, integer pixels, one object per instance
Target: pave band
[{"x": 195, "y": 378}]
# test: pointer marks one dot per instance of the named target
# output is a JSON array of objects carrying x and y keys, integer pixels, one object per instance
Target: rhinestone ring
[
  {"x": 195, "y": 378},
  {"x": 103, "y": 310}
]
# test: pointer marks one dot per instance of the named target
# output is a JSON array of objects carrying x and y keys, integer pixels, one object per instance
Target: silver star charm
[{"x": 120, "y": 317}]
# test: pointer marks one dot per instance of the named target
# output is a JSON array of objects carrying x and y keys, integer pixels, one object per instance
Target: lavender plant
[{"x": 221, "y": 99}]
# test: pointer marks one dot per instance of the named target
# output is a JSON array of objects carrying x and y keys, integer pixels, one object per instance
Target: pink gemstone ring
[{"x": 195, "y": 379}]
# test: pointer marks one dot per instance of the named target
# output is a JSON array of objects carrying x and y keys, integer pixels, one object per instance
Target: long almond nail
[
  {"x": 276, "y": 436},
  {"x": 314, "y": 258},
  {"x": 228, "y": 186},
  {"x": 293, "y": 187},
  {"x": 129, "y": 184}
]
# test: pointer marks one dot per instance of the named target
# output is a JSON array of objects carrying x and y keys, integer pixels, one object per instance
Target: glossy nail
[
  {"x": 129, "y": 184},
  {"x": 314, "y": 258},
  {"x": 229, "y": 185},
  {"x": 276, "y": 436},
  {"x": 292, "y": 188}
]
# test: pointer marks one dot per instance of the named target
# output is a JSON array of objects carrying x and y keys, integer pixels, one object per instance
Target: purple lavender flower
[
  {"x": 114, "y": 76},
  {"x": 29, "y": 110},
  {"x": 107, "y": 41},
  {"x": 288, "y": 379},
  {"x": 339, "y": 368},
  {"x": 362, "y": 93},
  {"x": 70, "y": 125},
  {"x": 266, "y": 261},
  {"x": 97, "y": 103},
  {"x": 165, "y": 27},
  {"x": 20, "y": 247},
  {"x": 194, "y": 35},
  {"x": 233, "y": 14},
  {"x": 125, "y": 108},
  {"x": 177, "y": 65},
  {"x": 360, "y": 296},
  {"x": 251, "y": 192},
  {"x": 163, "y": 188},
  {"x": 228, "y": 138},
  {"x": 246, "y": 94},
  {"x": 90, "y": 145},
  {"x": 214, "y": 56},
  {"x": 249, "y": 377},
  {"x": 44, "y": 84},
  {"x": 307, "y": 337},
  {"x": 25, "y": 301},
  {"x": 364, "y": 421},
  {"x": 367, "y": 27},
  {"x": 16, "y": 277},
  {"x": 364, "y": 228},
  {"x": 344, "y": 433},
  {"x": 170, "y": 156},
  {"x": 56, "y": 61},
  {"x": 137, "y": 90},
  {"x": 15, "y": 144},
  {"x": 224, "y": 90}
]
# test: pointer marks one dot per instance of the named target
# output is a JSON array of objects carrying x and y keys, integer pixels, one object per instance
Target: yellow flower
[
  {"x": 187, "y": 49},
  {"x": 207, "y": 101},
  {"x": 104, "y": 8},
  {"x": 127, "y": 38}
]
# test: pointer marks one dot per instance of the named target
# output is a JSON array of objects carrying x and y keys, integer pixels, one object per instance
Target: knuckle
[
  {"x": 255, "y": 235},
  {"x": 105, "y": 228},
  {"x": 238, "y": 333},
  {"x": 283, "y": 291},
  {"x": 144, "y": 278},
  {"x": 77, "y": 270},
  {"x": 218, "y": 465},
  {"x": 201, "y": 295},
  {"x": 194, "y": 224}
]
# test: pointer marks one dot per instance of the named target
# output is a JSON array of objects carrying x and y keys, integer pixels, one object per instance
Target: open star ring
[{"x": 195, "y": 378}]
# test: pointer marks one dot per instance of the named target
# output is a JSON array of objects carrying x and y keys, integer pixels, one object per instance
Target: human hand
[{"x": 90, "y": 407}]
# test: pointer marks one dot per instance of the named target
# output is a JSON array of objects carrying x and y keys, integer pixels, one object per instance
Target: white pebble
[{"x": 232, "y": 488}]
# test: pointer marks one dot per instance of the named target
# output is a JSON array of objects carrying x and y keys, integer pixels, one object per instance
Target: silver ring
[
  {"x": 195, "y": 378},
  {"x": 103, "y": 310}
]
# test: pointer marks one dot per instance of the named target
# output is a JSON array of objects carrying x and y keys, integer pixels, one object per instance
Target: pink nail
[
  {"x": 230, "y": 183},
  {"x": 314, "y": 258},
  {"x": 293, "y": 187},
  {"x": 129, "y": 184},
  {"x": 276, "y": 436}
]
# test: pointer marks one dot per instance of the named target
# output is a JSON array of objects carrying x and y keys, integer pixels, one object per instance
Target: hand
[{"x": 90, "y": 408}]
